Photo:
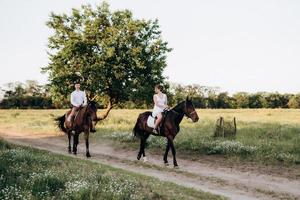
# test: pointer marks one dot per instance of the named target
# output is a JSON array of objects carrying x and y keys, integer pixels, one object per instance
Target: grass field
[
  {"x": 269, "y": 136},
  {"x": 27, "y": 173}
]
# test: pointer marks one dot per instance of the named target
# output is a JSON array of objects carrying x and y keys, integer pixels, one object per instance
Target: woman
[{"x": 160, "y": 103}]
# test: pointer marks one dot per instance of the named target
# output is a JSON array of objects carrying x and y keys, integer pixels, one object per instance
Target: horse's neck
[
  {"x": 179, "y": 118},
  {"x": 81, "y": 115},
  {"x": 179, "y": 113}
]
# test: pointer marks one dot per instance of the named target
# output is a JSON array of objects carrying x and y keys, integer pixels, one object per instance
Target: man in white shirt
[{"x": 78, "y": 99}]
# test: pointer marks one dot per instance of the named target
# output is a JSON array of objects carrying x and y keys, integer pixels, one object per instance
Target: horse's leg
[
  {"x": 166, "y": 152},
  {"x": 69, "y": 137},
  {"x": 144, "y": 146},
  {"x": 75, "y": 142},
  {"x": 173, "y": 152},
  {"x": 86, "y": 136},
  {"x": 140, "y": 151}
]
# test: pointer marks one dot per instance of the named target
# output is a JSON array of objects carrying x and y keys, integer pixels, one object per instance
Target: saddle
[
  {"x": 73, "y": 118},
  {"x": 151, "y": 121}
]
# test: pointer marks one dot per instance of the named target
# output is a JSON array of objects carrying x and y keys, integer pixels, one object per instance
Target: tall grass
[
  {"x": 268, "y": 136},
  {"x": 264, "y": 135}
]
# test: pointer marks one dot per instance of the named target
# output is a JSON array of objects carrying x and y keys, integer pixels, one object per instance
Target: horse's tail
[
  {"x": 61, "y": 123},
  {"x": 135, "y": 131}
]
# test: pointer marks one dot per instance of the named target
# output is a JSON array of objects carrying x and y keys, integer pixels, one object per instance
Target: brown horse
[
  {"x": 169, "y": 129},
  {"x": 85, "y": 121}
]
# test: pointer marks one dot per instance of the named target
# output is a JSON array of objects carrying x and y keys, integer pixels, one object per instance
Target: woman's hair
[{"x": 158, "y": 86}]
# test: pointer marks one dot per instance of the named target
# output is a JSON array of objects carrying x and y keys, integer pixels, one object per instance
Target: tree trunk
[{"x": 107, "y": 110}]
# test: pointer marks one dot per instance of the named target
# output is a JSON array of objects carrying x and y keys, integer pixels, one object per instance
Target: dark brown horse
[
  {"x": 85, "y": 121},
  {"x": 169, "y": 129}
]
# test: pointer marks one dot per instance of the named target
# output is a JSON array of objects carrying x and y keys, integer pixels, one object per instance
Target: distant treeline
[
  {"x": 26, "y": 95},
  {"x": 207, "y": 97},
  {"x": 33, "y": 95}
]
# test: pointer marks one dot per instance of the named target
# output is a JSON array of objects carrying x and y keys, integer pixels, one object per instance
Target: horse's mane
[
  {"x": 176, "y": 108},
  {"x": 92, "y": 104}
]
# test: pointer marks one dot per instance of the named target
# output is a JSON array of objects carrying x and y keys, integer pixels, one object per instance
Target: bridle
[{"x": 189, "y": 114}]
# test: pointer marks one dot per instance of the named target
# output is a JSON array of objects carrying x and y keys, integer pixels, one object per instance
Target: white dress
[{"x": 161, "y": 101}]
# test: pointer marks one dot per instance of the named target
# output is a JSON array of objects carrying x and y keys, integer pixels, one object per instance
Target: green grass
[
  {"x": 27, "y": 173},
  {"x": 269, "y": 136}
]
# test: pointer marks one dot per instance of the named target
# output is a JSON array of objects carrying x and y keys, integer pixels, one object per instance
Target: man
[{"x": 78, "y": 99}]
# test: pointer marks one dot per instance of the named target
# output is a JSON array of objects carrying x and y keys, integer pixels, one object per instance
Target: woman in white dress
[{"x": 160, "y": 103}]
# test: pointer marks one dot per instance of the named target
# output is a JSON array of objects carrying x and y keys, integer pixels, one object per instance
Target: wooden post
[
  {"x": 222, "y": 126},
  {"x": 234, "y": 123}
]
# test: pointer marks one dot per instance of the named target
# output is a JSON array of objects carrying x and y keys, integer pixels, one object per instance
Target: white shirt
[{"x": 78, "y": 98}]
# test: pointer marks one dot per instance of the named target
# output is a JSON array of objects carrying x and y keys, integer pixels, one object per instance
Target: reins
[{"x": 188, "y": 115}]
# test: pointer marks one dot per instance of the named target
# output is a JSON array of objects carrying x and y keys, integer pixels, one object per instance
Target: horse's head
[
  {"x": 190, "y": 111},
  {"x": 92, "y": 111}
]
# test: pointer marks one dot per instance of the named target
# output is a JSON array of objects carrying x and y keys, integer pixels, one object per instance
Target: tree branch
[{"x": 107, "y": 110}]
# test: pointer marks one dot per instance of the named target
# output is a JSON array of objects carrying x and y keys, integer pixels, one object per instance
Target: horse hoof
[
  {"x": 166, "y": 164},
  {"x": 176, "y": 167},
  {"x": 75, "y": 153},
  {"x": 145, "y": 159},
  {"x": 88, "y": 155}
]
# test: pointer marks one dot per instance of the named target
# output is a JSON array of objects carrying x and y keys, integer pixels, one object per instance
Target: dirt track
[{"x": 226, "y": 181}]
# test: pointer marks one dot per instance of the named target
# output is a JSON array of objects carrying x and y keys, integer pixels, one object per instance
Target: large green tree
[{"x": 117, "y": 57}]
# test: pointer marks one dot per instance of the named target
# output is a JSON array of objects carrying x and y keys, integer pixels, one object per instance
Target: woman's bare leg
[{"x": 159, "y": 117}]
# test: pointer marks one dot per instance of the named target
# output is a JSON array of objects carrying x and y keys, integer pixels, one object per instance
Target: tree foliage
[
  {"x": 117, "y": 57},
  {"x": 242, "y": 99},
  {"x": 294, "y": 101},
  {"x": 211, "y": 97},
  {"x": 26, "y": 95},
  {"x": 32, "y": 95}
]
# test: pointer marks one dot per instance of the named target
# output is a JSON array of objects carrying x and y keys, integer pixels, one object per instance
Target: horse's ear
[
  {"x": 88, "y": 95},
  {"x": 187, "y": 98}
]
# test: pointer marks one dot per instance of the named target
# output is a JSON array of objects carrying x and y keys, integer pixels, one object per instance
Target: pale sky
[{"x": 237, "y": 45}]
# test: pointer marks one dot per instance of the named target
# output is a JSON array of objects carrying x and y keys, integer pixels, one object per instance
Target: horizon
[{"x": 237, "y": 46}]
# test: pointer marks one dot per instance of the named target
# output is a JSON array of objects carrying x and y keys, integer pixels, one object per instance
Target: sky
[{"x": 237, "y": 45}]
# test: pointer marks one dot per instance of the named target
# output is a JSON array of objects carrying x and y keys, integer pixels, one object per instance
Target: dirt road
[{"x": 206, "y": 176}]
